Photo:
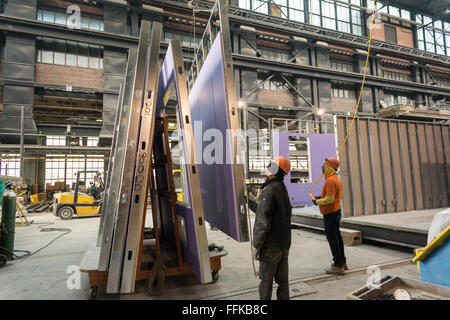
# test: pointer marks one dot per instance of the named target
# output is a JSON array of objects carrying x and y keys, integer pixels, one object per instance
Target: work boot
[
  {"x": 336, "y": 270},
  {"x": 345, "y": 266}
]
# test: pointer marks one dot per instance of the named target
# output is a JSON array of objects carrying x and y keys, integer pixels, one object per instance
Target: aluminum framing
[
  {"x": 127, "y": 178},
  {"x": 107, "y": 192},
  {"x": 142, "y": 166},
  {"x": 219, "y": 16},
  {"x": 110, "y": 207},
  {"x": 195, "y": 197}
]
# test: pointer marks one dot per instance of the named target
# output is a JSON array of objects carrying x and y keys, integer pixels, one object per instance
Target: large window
[
  {"x": 185, "y": 38},
  {"x": 274, "y": 55},
  {"x": 69, "y": 53},
  {"x": 269, "y": 85},
  {"x": 392, "y": 10},
  {"x": 342, "y": 65},
  {"x": 336, "y": 16},
  {"x": 287, "y": 9},
  {"x": 56, "y": 141},
  {"x": 55, "y": 168},
  {"x": 10, "y": 165},
  {"x": 396, "y": 75},
  {"x": 61, "y": 17},
  {"x": 433, "y": 40},
  {"x": 342, "y": 89},
  {"x": 395, "y": 98}
]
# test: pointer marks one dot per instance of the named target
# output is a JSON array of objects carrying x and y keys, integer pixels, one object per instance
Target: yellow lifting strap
[{"x": 359, "y": 98}]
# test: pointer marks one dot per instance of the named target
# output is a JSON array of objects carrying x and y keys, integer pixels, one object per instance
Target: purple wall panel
[
  {"x": 208, "y": 102},
  {"x": 190, "y": 249},
  {"x": 321, "y": 146}
]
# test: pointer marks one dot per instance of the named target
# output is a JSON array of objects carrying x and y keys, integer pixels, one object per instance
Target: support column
[
  {"x": 367, "y": 104},
  {"x": 248, "y": 77},
  {"x": 19, "y": 62},
  {"x": 322, "y": 60},
  {"x": 301, "y": 51},
  {"x": 114, "y": 69}
]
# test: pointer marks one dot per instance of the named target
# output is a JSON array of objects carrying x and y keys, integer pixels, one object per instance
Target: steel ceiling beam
[{"x": 328, "y": 74}]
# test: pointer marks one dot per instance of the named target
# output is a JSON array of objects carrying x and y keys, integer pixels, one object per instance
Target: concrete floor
[{"x": 44, "y": 275}]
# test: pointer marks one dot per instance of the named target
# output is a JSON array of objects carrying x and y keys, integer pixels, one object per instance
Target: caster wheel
[
  {"x": 215, "y": 275},
  {"x": 92, "y": 295},
  {"x": 3, "y": 260}
]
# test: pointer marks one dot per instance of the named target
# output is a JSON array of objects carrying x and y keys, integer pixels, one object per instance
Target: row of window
[
  {"x": 342, "y": 66},
  {"x": 323, "y": 13},
  {"x": 396, "y": 75},
  {"x": 274, "y": 55},
  {"x": 394, "y": 11},
  {"x": 341, "y": 17},
  {"x": 185, "y": 39},
  {"x": 69, "y": 53},
  {"x": 433, "y": 40},
  {"x": 58, "y": 167},
  {"x": 10, "y": 165},
  {"x": 342, "y": 89},
  {"x": 62, "y": 141},
  {"x": 392, "y": 99},
  {"x": 443, "y": 82},
  {"x": 271, "y": 85},
  {"x": 61, "y": 17}
]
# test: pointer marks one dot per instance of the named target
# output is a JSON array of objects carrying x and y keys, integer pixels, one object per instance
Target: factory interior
[{"x": 224, "y": 150}]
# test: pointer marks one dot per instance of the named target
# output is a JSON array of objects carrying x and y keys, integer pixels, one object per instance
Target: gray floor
[
  {"x": 44, "y": 275},
  {"x": 419, "y": 220}
]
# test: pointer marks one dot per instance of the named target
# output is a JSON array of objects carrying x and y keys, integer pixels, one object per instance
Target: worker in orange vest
[{"x": 330, "y": 207}]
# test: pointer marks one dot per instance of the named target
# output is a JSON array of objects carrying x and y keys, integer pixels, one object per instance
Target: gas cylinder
[{"x": 8, "y": 224}]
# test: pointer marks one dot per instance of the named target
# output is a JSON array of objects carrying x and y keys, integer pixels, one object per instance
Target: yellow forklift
[{"x": 66, "y": 204}]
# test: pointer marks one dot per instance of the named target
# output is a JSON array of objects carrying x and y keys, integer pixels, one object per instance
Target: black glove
[{"x": 314, "y": 201}]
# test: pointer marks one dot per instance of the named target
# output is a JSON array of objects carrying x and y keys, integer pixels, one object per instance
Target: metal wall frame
[
  {"x": 109, "y": 207},
  {"x": 193, "y": 214},
  {"x": 393, "y": 166},
  {"x": 143, "y": 164},
  {"x": 127, "y": 177}
]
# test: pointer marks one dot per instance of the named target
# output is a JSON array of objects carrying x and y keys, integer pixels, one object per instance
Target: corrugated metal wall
[{"x": 393, "y": 165}]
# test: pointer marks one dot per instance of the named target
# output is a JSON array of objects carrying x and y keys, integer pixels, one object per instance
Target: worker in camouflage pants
[{"x": 272, "y": 231}]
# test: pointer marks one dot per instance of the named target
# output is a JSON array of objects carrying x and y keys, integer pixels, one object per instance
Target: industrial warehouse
[{"x": 225, "y": 150}]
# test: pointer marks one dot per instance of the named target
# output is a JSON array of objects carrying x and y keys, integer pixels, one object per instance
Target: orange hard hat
[
  {"x": 283, "y": 163},
  {"x": 332, "y": 162}
]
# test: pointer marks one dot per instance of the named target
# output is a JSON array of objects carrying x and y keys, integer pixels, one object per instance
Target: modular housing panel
[
  {"x": 219, "y": 159},
  {"x": 190, "y": 211}
]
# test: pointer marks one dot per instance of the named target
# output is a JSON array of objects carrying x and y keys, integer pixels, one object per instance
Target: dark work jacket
[{"x": 273, "y": 216}]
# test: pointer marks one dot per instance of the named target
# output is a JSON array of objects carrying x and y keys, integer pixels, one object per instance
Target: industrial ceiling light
[
  {"x": 320, "y": 112},
  {"x": 241, "y": 104}
]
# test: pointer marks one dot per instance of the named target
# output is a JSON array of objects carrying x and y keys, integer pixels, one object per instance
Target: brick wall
[
  {"x": 64, "y": 75},
  {"x": 343, "y": 105},
  {"x": 281, "y": 98},
  {"x": 404, "y": 35}
]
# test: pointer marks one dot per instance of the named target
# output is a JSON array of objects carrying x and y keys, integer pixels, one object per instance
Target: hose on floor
[{"x": 29, "y": 253}]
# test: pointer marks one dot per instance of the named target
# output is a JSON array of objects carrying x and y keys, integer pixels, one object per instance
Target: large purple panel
[
  {"x": 190, "y": 248},
  {"x": 209, "y": 111},
  {"x": 321, "y": 146}
]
